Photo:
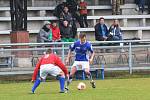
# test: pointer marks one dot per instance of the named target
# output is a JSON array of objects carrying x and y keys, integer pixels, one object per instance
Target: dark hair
[
  {"x": 82, "y": 35},
  {"x": 101, "y": 18},
  {"x": 54, "y": 21},
  {"x": 48, "y": 51}
]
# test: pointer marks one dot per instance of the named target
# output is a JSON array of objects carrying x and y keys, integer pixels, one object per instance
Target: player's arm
[
  {"x": 92, "y": 57},
  {"x": 92, "y": 53},
  {"x": 71, "y": 48},
  {"x": 68, "y": 57},
  {"x": 36, "y": 70}
]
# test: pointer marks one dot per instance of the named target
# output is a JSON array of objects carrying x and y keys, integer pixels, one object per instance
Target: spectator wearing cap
[
  {"x": 83, "y": 13},
  {"x": 45, "y": 33},
  {"x": 55, "y": 31},
  {"x": 101, "y": 30}
]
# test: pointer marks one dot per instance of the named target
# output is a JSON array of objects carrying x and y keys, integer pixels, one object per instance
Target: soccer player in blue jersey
[{"x": 82, "y": 59}]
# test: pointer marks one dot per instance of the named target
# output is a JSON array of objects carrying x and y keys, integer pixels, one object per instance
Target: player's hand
[
  {"x": 67, "y": 61},
  {"x": 32, "y": 81},
  {"x": 67, "y": 76},
  {"x": 90, "y": 61},
  {"x": 105, "y": 38}
]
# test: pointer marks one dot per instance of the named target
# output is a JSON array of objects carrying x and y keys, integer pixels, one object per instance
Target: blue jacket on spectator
[{"x": 98, "y": 32}]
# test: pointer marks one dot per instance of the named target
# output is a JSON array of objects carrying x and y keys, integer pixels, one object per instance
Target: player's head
[
  {"x": 48, "y": 51},
  {"x": 82, "y": 37}
]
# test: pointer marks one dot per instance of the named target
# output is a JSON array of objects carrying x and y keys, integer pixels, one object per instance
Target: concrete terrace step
[
  {"x": 87, "y": 29},
  {"x": 88, "y": 17},
  {"x": 99, "y": 7},
  {"x": 89, "y": 7}
]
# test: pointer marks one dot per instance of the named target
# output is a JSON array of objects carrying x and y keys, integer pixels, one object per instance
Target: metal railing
[{"x": 62, "y": 47}]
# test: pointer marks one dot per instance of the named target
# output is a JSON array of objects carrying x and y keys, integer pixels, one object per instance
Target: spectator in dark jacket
[
  {"x": 66, "y": 32},
  {"x": 101, "y": 31},
  {"x": 148, "y": 4},
  {"x": 115, "y": 31},
  {"x": 66, "y": 15},
  {"x": 72, "y": 5},
  {"x": 141, "y": 4}
]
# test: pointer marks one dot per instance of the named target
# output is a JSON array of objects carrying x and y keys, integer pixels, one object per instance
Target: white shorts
[
  {"x": 81, "y": 65},
  {"x": 49, "y": 69}
]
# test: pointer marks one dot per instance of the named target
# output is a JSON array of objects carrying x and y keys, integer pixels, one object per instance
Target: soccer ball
[{"x": 81, "y": 86}]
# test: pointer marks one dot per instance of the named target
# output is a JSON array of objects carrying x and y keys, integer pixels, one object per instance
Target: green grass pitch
[{"x": 109, "y": 89}]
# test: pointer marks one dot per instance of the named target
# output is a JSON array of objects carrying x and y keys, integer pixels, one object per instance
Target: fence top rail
[
  {"x": 65, "y": 48},
  {"x": 67, "y": 43}
]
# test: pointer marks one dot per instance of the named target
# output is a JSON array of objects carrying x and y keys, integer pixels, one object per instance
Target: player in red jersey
[{"x": 51, "y": 64}]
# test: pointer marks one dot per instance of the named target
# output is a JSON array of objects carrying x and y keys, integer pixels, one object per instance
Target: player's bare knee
[
  {"x": 40, "y": 78},
  {"x": 61, "y": 73},
  {"x": 87, "y": 72},
  {"x": 73, "y": 70}
]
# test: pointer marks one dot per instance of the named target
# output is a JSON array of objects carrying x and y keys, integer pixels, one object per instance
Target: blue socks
[
  {"x": 62, "y": 83},
  {"x": 36, "y": 84}
]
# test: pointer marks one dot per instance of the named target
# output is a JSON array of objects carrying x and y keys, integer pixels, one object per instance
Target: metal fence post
[
  {"x": 130, "y": 58},
  {"x": 63, "y": 53}
]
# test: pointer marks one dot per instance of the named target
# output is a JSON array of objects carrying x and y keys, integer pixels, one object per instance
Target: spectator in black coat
[
  {"x": 148, "y": 4},
  {"x": 66, "y": 15},
  {"x": 66, "y": 32},
  {"x": 101, "y": 31},
  {"x": 140, "y": 4}
]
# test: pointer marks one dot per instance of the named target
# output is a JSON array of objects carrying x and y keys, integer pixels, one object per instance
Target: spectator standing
[
  {"x": 73, "y": 8},
  {"x": 116, "y": 7},
  {"x": 83, "y": 13},
  {"x": 140, "y": 4},
  {"x": 66, "y": 15},
  {"x": 148, "y": 4}
]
